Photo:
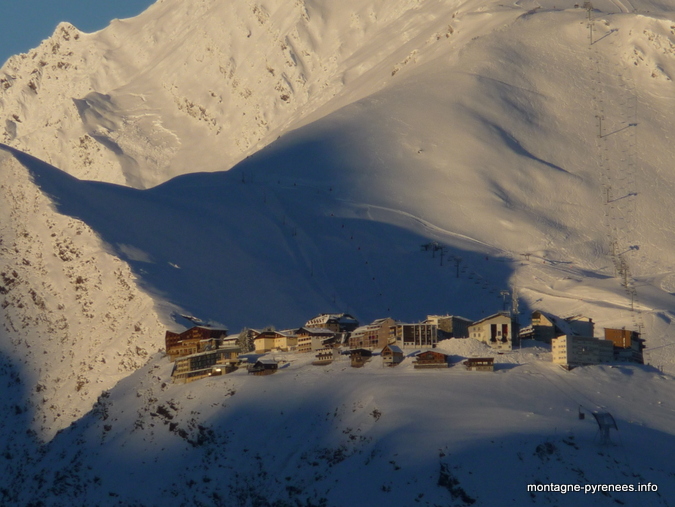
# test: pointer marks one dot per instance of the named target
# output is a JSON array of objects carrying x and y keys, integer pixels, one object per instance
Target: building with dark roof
[{"x": 194, "y": 340}]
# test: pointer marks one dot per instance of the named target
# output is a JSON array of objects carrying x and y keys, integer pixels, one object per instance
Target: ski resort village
[{"x": 204, "y": 351}]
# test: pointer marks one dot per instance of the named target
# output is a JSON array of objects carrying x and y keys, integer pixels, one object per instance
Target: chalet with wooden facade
[
  {"x": 480, "y": 364},
  {"x": 499, "y": 331},
  {"x": 628, "y": 345},
  {"x": 374, "y": 336},
  {"x": 325, "y": 356},
  {"x": 359, "y": 357},
  {"x": 430, "y": 359},
  {"x": 392, "y": 355},
  {"x": 194, "y": 340},
  {"x": 205, "y": 364},
  {"x": 263, "y": 367}
]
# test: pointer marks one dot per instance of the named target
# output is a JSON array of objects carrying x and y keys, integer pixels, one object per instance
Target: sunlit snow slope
[{"x": 152, "y": 97}]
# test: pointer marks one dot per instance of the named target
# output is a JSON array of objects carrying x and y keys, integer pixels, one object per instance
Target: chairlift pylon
[{"x": 605, "y": 422}]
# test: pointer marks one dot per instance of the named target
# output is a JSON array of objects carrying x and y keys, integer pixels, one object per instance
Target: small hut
[
  {"x": 430, "y": 359},
  {"x": 324, "y": 356},
  {"x": 391, "y": 355},
  {"x": 263, "y": 367},
  {"x": 359, "y": 357},
  {"x": 480, "y": 364}
]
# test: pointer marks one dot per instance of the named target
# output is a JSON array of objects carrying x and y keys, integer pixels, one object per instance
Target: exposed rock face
[{"x": 72, "y": 319}]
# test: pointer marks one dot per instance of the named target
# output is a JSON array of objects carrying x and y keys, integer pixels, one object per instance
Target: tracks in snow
[{"x": 617, "y": 159}]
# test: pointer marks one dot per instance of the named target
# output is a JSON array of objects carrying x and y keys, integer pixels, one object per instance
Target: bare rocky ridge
[{"x": 72, "y": 314}]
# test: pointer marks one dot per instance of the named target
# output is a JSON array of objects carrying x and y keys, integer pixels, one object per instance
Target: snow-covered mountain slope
[
  {"x": 489, "y": 147},
  {"x": 540, "y": 162},
  {"x": 72, "y": 319},
  {"x": 335, "y": 435},
  {"x": 152, "y": 97}
]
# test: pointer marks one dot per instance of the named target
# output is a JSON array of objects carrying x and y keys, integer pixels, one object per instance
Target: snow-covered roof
[
  {"x": 430, "y": 352},
  {"x": 326, "y": 317},
  {"x": 564, "y": 325},
  {"x": 316, "y": 330},
  {"x": 285, "y": 333},
  {"x": 393, "y": 348},
  {"x": 436, "y": 317},
  {"x": 376, "y": 324},
  {"x": 267, "y": 361},
  {"x": 490, "y": 317}
]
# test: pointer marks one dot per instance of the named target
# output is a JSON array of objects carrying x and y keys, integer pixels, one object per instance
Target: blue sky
[{"x": 25, "y": 23}]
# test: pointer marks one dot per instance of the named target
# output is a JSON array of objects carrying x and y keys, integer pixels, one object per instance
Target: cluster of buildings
[
  {"x": 204, "y": 351},
  {"x": 331, "y": 330},
  {"x": 573, "y": 342}
]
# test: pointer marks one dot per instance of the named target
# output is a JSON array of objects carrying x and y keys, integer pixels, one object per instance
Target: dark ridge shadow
[
  {"x": 19, "y": 444},
  {"x": 246, "y": 248},
  {"x": 291, "y": 450}
]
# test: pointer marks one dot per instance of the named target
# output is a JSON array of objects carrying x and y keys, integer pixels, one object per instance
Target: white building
[
  {"x": 497, "y": 330},
  {"x": 570, "y": 351}
]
